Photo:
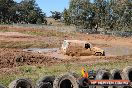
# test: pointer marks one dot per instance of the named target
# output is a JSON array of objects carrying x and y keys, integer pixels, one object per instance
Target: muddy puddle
[
  {"x": 40, "y": 50},
  {"x": 117, "y": 50},
  {"x": 109, "y": 51}
]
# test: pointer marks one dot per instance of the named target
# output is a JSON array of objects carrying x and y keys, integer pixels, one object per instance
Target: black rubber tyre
[
  {"x": 21, "y": 83},
  {"x": 65, "y": 81},
  {"x": 79, "y": 81},
  {"x": 103, "y": 75},
  {"x": 74, "y": 74},
  {"x": 44, "y": 85},
  {"x": 45, "y": 81},
  {"x": 1, "y": 86},
  {"x": 117, "y": 75},
  {"x": 127, "y": 72},
  {"x": 103, "y": 53}
]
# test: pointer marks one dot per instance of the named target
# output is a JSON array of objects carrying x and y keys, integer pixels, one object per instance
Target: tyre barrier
[
  {"x": 127, "y": 73},
  {"x": 117, "y": 75},
  {"x": 45, "y": 82},
  {"x": 65, "y": 81},
  {"x": 74, "y": 74},
  {"x": 21, "y": 83},
  {"x": 103, "y": 74},
  {"x": 71, "y": 80}
]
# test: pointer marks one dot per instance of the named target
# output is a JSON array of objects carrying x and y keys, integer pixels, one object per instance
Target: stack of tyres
[{"x": 72, "y": 80}]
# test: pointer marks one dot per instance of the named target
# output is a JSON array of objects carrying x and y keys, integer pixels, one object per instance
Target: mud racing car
[{"x": 80, "y": 48}]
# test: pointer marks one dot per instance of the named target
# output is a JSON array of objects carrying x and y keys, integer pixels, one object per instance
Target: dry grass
[{"x": 25, "y": 44}]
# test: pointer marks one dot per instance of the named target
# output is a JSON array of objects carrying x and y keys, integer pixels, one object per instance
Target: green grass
[{"x": 36, "y": 72}]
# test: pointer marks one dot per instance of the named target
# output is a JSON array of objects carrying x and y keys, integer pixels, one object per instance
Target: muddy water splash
[
  {"x": 109, "y": 51},
  {"x": 40, "y": 50},
  {"x": 118, "y": 50}
]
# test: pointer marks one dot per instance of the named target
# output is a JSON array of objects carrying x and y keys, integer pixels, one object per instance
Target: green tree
[
  {"x": 27, "y": 11},
  {"x": 6, "y": 10},
  {"x": 30, "y": 12},
  {"x": 80, "y": 10},
  {"x": 66, "y": 16},
  {"x": 121, "y": 14}
]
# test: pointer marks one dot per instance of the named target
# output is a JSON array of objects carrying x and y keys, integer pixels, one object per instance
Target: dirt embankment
[{"x": 14, "y": 57}]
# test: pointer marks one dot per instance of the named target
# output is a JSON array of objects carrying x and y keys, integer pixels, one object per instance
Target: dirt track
[
  {"x": 13, "y": 57},
  {"x": 16, "y": 57}
]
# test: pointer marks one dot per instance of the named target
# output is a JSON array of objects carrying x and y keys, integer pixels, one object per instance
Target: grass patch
[
  {"x": 4, "y": 29},
  {"x": 36, "y": 32},
  {"x": 47, "y": 33},
  {"x": 36, "y": 72},
  {"x": 11, "y": 44}
]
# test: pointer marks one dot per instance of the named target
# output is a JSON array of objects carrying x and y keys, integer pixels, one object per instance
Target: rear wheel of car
[
  {"x": 77, "y": 54},
  {"x": 71, "y": 54}
]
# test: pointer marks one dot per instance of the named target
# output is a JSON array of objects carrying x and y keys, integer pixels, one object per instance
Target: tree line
[
  {"x": 27, "y": 11},
  {"x": 109, "y": 14}
]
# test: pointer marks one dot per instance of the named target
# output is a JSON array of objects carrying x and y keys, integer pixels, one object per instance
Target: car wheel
[{"x": 98, "y": 54}]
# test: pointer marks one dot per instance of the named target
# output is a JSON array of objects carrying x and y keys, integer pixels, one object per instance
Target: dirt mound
[{"x": 14, "y": 57}]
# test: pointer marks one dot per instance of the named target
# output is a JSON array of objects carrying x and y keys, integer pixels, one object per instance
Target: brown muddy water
[
  {"x": 117, "y": 50},
  {"x": 41, "y": 50},
  {"x": 109, "y": 51}
]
